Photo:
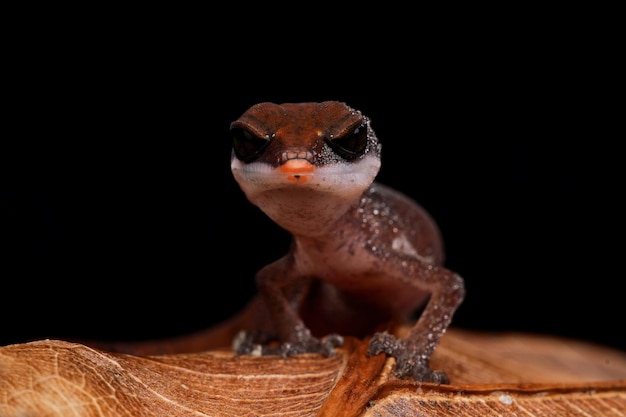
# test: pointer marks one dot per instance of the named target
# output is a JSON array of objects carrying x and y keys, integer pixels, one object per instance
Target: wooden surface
[{"x": 491, "y": 374}]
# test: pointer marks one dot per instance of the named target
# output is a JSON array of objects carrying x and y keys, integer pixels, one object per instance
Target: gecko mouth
[
  {"x": 297, "y": 170},
  {"x": 301, "y": 173}
]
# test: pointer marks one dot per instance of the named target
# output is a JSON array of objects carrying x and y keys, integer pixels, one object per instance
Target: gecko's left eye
[
  {"x": 352, "y": 144},
  {"x": 246, "y": 145}
]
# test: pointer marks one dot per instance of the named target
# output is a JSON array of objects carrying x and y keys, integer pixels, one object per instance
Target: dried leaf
[{"x": 512, "y": 374}]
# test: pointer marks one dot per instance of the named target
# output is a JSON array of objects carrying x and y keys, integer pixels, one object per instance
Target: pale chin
[{"x": 312, "y": 204}]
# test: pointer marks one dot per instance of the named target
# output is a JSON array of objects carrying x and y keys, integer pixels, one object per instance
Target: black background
[{"x": 121, "y": 220}]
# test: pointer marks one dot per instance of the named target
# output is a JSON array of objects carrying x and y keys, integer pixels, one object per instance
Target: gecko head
[
  {"x": 304, "y": 162},
  {"x": 325, "y": 146}
]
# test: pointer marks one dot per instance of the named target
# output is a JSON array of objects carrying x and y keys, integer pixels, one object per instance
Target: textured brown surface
[
  {"x": 581, "y": 400},
  {"x": 490, "y": 375}
]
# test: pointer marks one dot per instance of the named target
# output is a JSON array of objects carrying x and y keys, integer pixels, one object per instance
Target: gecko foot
[
  {"x": 325, "y": 346},
  {"x": 409, "y": 362},
  {"x": 251, "y": 343},
  {"x": 260, "y": 344}
]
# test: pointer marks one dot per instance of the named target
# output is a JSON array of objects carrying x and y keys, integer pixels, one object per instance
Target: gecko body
[{"x": 363, "y": 256}]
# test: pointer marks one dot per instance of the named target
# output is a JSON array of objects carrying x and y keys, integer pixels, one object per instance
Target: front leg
[
  {"x": 282, "y": 291},
  {"x": 413, "y": 352}
]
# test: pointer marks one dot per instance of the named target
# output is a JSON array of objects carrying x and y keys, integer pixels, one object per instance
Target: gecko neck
[{"x": 305, "y": 212}]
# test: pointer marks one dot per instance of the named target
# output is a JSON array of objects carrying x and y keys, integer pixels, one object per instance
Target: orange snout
[{"x": 296, "y": 169}]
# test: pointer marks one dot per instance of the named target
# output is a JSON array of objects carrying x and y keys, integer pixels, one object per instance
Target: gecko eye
[
  {"x": 351, "y": 145},
  {"x": 247, "y": 146}
]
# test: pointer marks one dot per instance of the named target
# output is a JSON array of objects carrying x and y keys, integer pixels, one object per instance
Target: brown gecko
[{"x": 363, "y": 256}]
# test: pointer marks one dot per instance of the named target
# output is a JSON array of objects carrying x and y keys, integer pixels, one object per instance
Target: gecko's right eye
[
  {"x": 246, "y": 145},
  {"x": 352, "y": 144}
]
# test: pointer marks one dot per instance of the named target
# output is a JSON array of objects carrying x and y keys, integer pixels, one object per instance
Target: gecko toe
[
  {"x": 325, "y": 346},
  {"x": 329, "y": 343},
  {"x": 383, "y": 343},
  {"x": 409, "y": 363},
  {"x": 423, "y": 373}
]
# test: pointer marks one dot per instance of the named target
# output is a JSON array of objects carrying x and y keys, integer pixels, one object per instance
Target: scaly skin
[{"x": 363, "y": 257}]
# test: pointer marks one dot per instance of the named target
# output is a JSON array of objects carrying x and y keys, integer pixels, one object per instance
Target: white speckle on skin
[{"x": 401, "y": 244}]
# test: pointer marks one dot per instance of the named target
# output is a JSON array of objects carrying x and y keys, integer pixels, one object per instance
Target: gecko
[{"x": 363, "y": 256}]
